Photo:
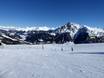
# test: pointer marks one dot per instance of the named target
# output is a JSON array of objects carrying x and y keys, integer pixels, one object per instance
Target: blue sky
[{"x": 51, "y": 12}]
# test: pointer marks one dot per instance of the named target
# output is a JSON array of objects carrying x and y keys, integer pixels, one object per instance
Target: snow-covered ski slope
[{"x": 52, "y": 61}]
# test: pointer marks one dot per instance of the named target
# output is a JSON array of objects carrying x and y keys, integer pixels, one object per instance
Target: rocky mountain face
[{"x": 69, "y": 32}]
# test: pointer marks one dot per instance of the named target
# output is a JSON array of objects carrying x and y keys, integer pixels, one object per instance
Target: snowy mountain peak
[{"x": 74, "y": 27}]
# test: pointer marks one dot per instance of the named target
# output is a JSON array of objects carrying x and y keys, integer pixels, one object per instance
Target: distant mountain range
[{"x": 70, "y": 32}]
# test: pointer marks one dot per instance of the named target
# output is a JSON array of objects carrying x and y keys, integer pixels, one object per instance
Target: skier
[
  {"x": 42, "y": 46},
  {"x": 72, "y": 49},
  {"x": 0, "y": 43}
]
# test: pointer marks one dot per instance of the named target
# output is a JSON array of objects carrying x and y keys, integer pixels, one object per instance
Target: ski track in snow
[{"x": 52, "y": 61}]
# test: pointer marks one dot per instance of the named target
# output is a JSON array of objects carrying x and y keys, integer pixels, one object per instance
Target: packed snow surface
[{"x": 52, "y": 61}]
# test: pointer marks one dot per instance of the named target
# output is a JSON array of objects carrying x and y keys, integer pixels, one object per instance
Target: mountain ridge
[
  {"x": 46, "y": 28},
  {"x": 37, "y": 35}
]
